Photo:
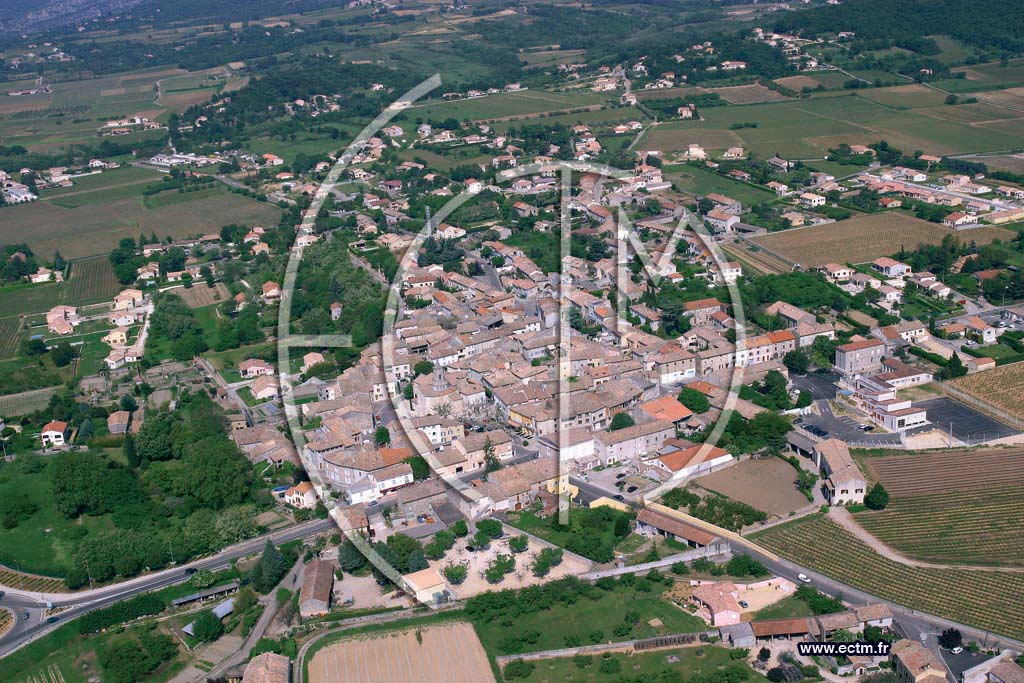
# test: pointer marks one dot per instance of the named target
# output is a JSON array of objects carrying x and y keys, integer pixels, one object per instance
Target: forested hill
[{"x": 991, "y": 24}]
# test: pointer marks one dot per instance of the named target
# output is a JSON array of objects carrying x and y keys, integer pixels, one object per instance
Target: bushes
[
  {"x": 714, "y": 508},
  {"x": 877, "y": 497},
  {"x": 491, "y": 527},
  {"x": 745, "y": 565},
  {"x": 143, "y": 605},
  {"x": 519, "y": 668},
  {"x": 545, "y": 560},
  {"x": 818, "y": 601}
]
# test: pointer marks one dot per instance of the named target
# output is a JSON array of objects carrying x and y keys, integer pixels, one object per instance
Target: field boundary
[{"x": 672, "y": 640}]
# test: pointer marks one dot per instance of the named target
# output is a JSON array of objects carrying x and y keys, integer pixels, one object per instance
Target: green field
[
  {"x": 805, "y": 129},
  {"x": 959, "y": 527},
  {"x": 986, "y": 599},
  {"x": 702, "y": 181},
  {"x": 507, "y": 104},
  {"x": 704, "y": 661},
  {"x": 103, "y": 217},
  {"x": 582, "y": 620},
  {"x": 42, "y": 542},
  {"x": 784, "y": 609}
]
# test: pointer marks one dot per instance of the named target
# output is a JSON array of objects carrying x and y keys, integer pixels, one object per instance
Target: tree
[
  {"x": 519, "y": 544},
  {"x": 128, "y": 403},
  {"x": 455, "y": 573},
  {"x": 764, "y": 654},
  {"x": 491, "y": 462},
  {"x": 63, "y": 354},
  {"x": 745, "y": 565},
  {"x": 382, "y": 436},
  {"x": 694, "y": 400},
  {"x": 130, "y": 454},
  {"x": 951, "y": 638},
  {"x": 270, "y": 569},
  {"x": 207, "y": 627},
  {"x": 877, "y": 497},
  {"x": 621, "y": 421},
  {"x": 350, "y": 558},
  {"x": 797, "y": 361},
  {"x": 423, "y": 367}
]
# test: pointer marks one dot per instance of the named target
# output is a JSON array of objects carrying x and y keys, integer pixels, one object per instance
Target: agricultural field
[
  {"x": 676, "y": 136},
  {"x": 955, "y": 470},
  {"x": 104, "y": 217},
  {"x": 547, "y": 58},
  {"x": 913, "y": 96},
  {"x": 798, "y": 83},
  {"x": 985, "y": 599},
  {"x": 591, "y": 117},
  {"x": 91, "y": 280},
  {"x": 701, "y": 181},
  {"x": 10, "y": 328},
  {"x": 807, "y": 128},
  {"x": 30, "y": 582},
  {"x": 15, "y": 405},
  {"x": 390, "y": 657},
  {"x": 767, "y": 484},
  {"x": 1001, "y": 387},
  {"x": 684, "y": 663},
  {"x": 28, "y": 298},
  {"x": 982, "y": 527},
  {"x": 865, "y": 237},
  {"x": 508, "y": 104},
  {"x": 990, "y": 76},
  {"x": 76, "y": 109},
  {"x": 749, "y": 94},
  {"x": 200, "y": 296},
  {"x": 6, "y": 621}
]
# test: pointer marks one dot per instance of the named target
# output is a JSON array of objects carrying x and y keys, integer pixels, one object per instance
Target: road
[{"x": 86, "y": 601}]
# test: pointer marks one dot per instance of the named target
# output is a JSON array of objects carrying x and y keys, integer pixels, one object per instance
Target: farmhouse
[
  {"x": 655, "y": 523},
  {"x": 54, "y": 434},
  {"x": 844, "y": 484},
  {"x": 315, "y": 594},
  {"x": 915, "y": 663},
  {"x": 268, "y": 667}
]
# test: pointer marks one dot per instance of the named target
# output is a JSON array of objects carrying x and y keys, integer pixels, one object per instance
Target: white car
[
  {"x": 957, "y": 650},
  {"x": 804, "y": 578}
]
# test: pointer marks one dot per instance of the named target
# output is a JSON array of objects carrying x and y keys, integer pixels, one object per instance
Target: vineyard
[
  {"x": 906, "y": 475},
  {"x": 1001, "y": 387},
  {"x": 31, "y": 582},
  {"x": 968, "y": 527},
  {"x": 863, "y": 238},
  {"x": 23, "y": 403},
  {"x": 9, "y": 328},
  {"x": 6, "y": 621},
  {"x": 92, "y": 280},
  {"x": 988, "y": 600}
]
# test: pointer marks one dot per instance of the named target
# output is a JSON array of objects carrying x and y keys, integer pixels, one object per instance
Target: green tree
[
  {"x": 694, "y": 400},
  {"x": 207, "y": 627},
  {"x": 350, "y": 558},
  {"x": 423, "y": 367},
  {"x": 877, "y": 497},
  {"x": 491, "y": 462},
  {"x": 621, "y": 421},
  {"x": 128, "y": 449},
  {"x": 382, "y": 436},
  {"x": 270, "y": 569},
  {"x": 797, "y": 361},
  {"x": 455, "y": 573}
]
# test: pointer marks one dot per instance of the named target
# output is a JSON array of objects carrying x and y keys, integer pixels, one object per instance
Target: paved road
[{"x": 80, "y": 603}]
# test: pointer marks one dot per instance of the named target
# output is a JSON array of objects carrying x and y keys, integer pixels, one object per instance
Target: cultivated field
[
  {"x": 92, "y": 280},
  {"x": 956, "y": 470},
  {"x": 9, "y": 329},
  {"x": 14, "y": 405},
  {"x": 982, "y": 527},
  {"x": 798, "y": 82},
  {"x": 749, "y": 94},
  {"x": 865, "y": 237},
  {"x": 675, "y": 136},
  {"x": 986, "y": 599},
  {"x": 435, "y": 654},
  {"x": 767, "y": 484},
  {"x": 905, "y": 96},
  {"x": 199, "y": 295},
  {"x": 30, "y": 582},
  {"x": 96, "y": 226},
  {"x": 1001, "y": 386}
]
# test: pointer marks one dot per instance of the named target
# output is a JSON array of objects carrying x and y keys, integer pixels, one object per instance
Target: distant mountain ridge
[{"x": 32, "y": 15}]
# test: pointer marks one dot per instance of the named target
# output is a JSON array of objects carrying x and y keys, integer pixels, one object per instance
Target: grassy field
[
  {"x": 684, "y": 665},
  {"x": 41, "y": 543},
  {"x": 806, "y": 129},
  {"x": 865, "y": 237},
  {"x": 587, "y": 616},
  {"x": 10, "y": 329},
  {"x": 986, "y": 599},
  {"x": 702, "y": 181},
  {"x": 784, "y": 609},
  {"x": 103, "y": 217},
  {"x": 14, "y": 405},
  {"x": 979, "y": 527},
  {"x": 508, "y": 104},
  {"x": 1001, "y": 387},
  {"x": 748, "y": 94}
]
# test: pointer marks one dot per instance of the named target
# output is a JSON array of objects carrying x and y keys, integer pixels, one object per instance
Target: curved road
[{"x": 35, "y": 604}]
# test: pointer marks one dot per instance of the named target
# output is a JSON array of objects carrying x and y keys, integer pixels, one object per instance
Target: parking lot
[
  {"x": 967, "y": 424},
  {"x": 847, "y": 429},
  {"x": 821, "y": 385}
]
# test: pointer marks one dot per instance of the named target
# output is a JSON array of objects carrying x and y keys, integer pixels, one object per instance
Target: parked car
[
  {"x": 744, "y": 604},
  {"x": 190, "y": 571},
  {"x": 804, "y": 578},
  {"x": 957, "y": 650}
]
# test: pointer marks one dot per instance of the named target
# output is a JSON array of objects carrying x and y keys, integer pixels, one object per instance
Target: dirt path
[{"x": 843, "y": 518}]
